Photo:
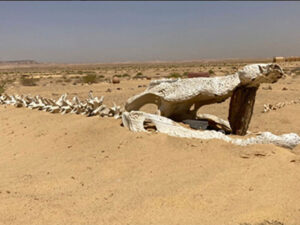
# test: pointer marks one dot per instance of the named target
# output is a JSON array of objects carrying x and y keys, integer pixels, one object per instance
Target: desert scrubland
[{"x": 72, "y": 169}]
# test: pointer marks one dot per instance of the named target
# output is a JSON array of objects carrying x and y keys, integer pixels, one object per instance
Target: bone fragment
[
  {"x": 135, "y": 121},
  {"x": 216, "y": 122},
  {"x": 180, "y": 99},
  {"x": 279, "y": 105}
]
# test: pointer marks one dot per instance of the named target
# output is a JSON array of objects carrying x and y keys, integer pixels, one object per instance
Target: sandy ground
[{"x": 70, "y": 169}]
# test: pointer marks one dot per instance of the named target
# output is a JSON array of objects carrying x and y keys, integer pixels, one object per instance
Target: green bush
[
  {"x": 28, "y": 81},
  {"x": 2, "y": 87},
  {"x": 123, "y": 75},
  {"x": 185, "y": 74},
  {"x": 89, "y": 79},
  {"x": 175, "y": 75},
  {"x": 211, "y": 72}
]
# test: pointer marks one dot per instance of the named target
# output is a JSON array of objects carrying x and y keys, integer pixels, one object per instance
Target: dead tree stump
[{"x": 241, "y": 109}]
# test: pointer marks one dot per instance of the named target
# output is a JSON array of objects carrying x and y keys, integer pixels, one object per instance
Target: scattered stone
[
  {"x": 279, "y": 105},
  {"x": 284, "y": 89},
  {"x": 108, "y": 90},
  {"x": 115, "y": 80}
]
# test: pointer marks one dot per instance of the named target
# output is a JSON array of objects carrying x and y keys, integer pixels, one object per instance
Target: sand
[{"x": 71, "y": 169}]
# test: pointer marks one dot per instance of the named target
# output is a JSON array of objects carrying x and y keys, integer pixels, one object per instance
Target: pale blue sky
[{"x": 147, "y": 31}]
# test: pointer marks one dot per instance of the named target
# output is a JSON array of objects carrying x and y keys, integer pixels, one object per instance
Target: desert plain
[{"x": 72, "y": 169}]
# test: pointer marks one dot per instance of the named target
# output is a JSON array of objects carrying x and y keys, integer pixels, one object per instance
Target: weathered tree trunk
[{"x": 241, "y": 109}]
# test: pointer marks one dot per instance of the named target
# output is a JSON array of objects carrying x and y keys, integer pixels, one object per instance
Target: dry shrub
[
  {"x": 175, "y": 75},
  {"x": 28, "y": 81},
  {"x": 2, "y": 87},
  {"x": 90, "y": 79},
  {"x": 122, "y": 76}
]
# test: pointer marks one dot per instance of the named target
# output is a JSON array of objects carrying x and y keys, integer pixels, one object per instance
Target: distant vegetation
[
  {"x": 139, "y": 75},
  {"x": 28, "y": 81},
  {"x": 41, "y": 74},
  {"x": 92, "y": 78},
  {"x": 89, "y": 79},
  {"x": 175, "y": 75},
  {"x": 123, "y": 75},
  {"x": 2, "y": 87},
  {"x": 185, "y": 74}
]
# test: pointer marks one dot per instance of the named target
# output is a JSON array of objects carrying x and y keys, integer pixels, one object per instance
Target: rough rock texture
[
  {"x": 136, "y": 120},
  {"x": 176, "y": 97}
]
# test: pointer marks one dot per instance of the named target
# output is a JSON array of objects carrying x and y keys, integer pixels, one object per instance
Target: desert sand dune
[{"x": 72, "y": 169}]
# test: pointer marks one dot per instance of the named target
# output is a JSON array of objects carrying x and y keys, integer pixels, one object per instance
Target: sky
[{"x": 89, "y": 32}]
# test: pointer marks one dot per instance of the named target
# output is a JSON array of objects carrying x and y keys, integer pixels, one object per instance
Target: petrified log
[{"x": 241, "y": 109}]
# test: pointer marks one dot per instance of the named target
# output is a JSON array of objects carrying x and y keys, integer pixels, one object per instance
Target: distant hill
[{"x": 18, "y": 62}]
